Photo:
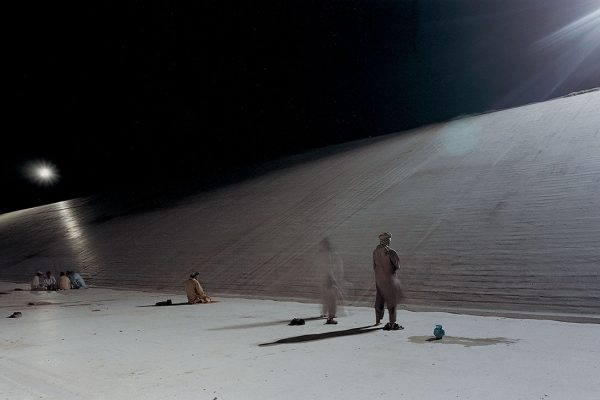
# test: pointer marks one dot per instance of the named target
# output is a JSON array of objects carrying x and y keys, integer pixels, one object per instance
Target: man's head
[
  {"x": 48, "y": 273},
  {"x": 194, "y": 275},
  {"x": 385, "y": 238},
  {"x": 325, "y": 244},
  {"x": 39, "y": 273},
  {"x": 62, "y": 273}
]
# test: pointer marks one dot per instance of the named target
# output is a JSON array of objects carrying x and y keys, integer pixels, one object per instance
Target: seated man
[
  {"x": 63, "y": 282},
  {"x": 77, "y": 281},
  {"x": 194, "y": 291},
  {"x": 50, "y": 281},
  {"x": 36, "y": 282}
]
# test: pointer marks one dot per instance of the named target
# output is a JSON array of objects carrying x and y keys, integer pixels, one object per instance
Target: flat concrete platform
[{"x": 115, "y": 344}]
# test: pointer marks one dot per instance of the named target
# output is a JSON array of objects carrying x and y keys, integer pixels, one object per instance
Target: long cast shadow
[
  {"x": 260, "y": 324},
  {"x": 185, "y": 303},
  {"x": 168, "y": 305},
  {"x": 324, "y": 335}
]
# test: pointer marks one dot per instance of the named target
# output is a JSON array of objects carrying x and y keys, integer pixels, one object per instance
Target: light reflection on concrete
[
  {"x": 459, "y": 137},
  {"x": 70, "y": 222},
  {"x": 77, "y": 239}
]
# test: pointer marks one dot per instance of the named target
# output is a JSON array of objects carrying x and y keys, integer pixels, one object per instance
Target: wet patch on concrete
[{"x": 467, "y": 342}]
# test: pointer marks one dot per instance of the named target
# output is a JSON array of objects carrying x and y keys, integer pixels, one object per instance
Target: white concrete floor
[{"x": 103, "y": 344}]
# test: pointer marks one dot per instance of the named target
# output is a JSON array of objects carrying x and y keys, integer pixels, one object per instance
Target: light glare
[
  {"x": 42, "y": 173},
  {"x": 45, "y": 173}
]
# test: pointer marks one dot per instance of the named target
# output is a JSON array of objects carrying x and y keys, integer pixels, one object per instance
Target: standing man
[
  {"x": 194, "y": 291},
  {"x": 385, "y": 265}
]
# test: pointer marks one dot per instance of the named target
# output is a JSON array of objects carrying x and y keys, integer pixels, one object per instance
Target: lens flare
[{"x": 42, "y": 173}]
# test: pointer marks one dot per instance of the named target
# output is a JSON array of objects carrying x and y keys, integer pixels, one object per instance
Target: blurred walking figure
[
  {"x": 330, "y": 271},
  {"x": 385, "y": 265},
  {"x": 194, "y": 291}
]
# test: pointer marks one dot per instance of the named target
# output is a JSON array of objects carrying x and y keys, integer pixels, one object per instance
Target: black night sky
[{"x": 146, "y": 96}]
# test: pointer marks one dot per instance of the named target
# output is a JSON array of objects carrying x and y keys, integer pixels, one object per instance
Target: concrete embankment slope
[{"x": 498, "y": 211}]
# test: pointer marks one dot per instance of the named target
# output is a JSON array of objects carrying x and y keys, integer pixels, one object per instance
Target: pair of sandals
[{"x": 392, "y": 327}]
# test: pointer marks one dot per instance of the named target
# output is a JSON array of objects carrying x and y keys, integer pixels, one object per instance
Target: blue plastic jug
[{"x": 438, "y": 332}]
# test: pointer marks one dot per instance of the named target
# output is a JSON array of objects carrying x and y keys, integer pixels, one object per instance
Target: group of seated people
[
  {"x": 68, "y": 280},
  {"x": 72, "y": 280}
]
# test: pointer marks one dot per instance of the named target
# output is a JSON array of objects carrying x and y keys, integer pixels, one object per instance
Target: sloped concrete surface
[{"x": 499, "y": 211}]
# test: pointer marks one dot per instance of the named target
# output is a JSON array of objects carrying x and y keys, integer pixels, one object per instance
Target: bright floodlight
[
  {"x": 42, "y": 172},
  {"x": 45, "y": 173},
  {"x": 575, "y": 43}
]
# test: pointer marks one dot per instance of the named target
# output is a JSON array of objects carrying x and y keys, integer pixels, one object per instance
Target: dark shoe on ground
[
  {"x": 297, "y": 321},
  {"x": 331, "y": 322},
  {"x": 392, "y": 327},
  {"x": 16, "y": 314}
]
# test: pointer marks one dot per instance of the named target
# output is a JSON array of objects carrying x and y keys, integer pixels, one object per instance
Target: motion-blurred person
[
  {"x": 63, "y": 282},
  {"x": 330, "y": 272},
  {"x": 36, "y": 282},
  {"x": 385, "y": 264},
  {"x": 50, "y": 281},
  {"x": 194, "y": 291}
]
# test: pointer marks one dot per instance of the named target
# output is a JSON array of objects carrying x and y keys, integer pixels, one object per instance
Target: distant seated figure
[
  {"x": 36, "y": 284},
  {"x": 63, "y": 282},
  {"x": 77, "y": 281},
  {"x": 194, "y": 291},
  {"x": 50, "y": 281}
]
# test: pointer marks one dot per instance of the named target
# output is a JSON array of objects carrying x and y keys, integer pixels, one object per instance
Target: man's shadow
[
  {"x": 325, "y": 335},
  {"x": 168, "y": 305}
]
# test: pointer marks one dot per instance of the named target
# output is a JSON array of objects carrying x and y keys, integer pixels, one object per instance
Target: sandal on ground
[{"x": 392, "y": 327}]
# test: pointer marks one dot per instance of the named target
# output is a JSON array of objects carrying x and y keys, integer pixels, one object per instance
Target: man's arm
[
  {"x": 394, "y": 259},
  {"x": 198, "y": 289}
]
